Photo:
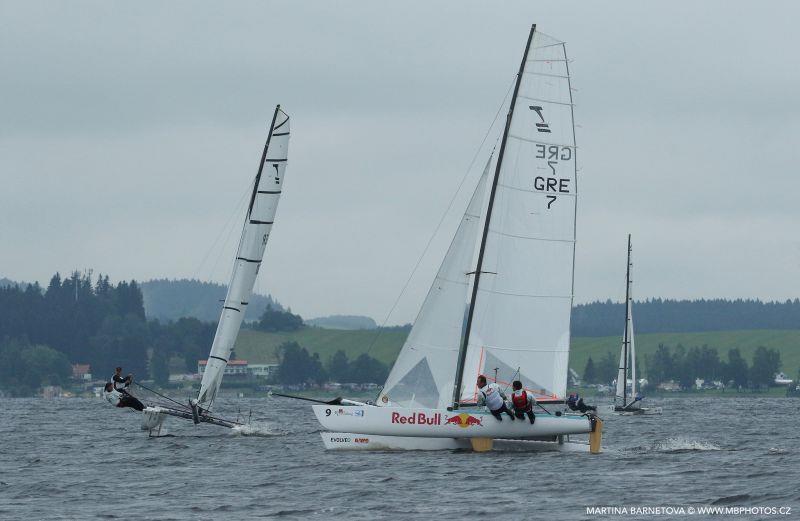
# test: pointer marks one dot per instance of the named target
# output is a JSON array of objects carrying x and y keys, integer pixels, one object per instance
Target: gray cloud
[{"x": 129, "y": 133}]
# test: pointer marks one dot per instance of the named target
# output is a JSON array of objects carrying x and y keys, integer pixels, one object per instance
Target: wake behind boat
[
  {"x": 257, "y": 226},
  {"x": 520, "y": 226}
]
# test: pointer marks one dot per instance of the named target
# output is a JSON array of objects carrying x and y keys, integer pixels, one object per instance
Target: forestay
[
  {"x": 249, "y": 256},
  {"x": 521, "y": 320},
  {"x": 422, "y": 376}
]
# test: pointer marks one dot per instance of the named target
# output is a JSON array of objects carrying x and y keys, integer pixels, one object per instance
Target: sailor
[
  {"x": 575, "y": 403},
  {"x": 494, "y": 399},
  {"x": 121, "y": 383},
  {"x": 523, "y": 402},
  {"x": 121, "y": 399},
  {"x": 572, "y": 402}
]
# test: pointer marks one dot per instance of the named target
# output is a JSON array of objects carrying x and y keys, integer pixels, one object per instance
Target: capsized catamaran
[
  {"x": 505, "y": 315},
  {"x": 257, "y": 226},
  {"x": 627, "y": 400}
]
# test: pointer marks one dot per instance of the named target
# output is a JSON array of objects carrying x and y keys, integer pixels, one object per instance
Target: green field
[
  {"x": 785, "y": 341},
  {"x": 260, "y": 347}
]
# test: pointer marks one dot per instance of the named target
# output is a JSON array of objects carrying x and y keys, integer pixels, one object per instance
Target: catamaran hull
[
  {"x": 637, "y": 411},
  {"x": 441, "y": 423},
  {"x": 355, "y": 441},
  {"x": 152, "y": 419}
]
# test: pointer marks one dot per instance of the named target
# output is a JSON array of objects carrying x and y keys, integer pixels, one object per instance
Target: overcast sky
[{"x": 129, "y": 133}]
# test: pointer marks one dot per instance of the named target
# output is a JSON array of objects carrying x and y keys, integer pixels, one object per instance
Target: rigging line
[
  {"x": 223, "y": 229},
  {"x": 441, "y": 220},
  {"x": 226, "y": 240},
  {"x": 512, "y": 379},
  {"x": 161, "y": 395}
]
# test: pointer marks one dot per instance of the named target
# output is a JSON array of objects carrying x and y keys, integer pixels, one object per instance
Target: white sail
[
  {"x": 621, "y": 373},
  {"x": 521, "y": 320},
  {"x": 422, "y": 376},
  {"x": 627, "y": 353},
  {"x": 255, "y": 233}
]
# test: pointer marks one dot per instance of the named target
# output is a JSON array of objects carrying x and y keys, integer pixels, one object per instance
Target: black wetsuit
[
  {"x": 127, "y": 400},
  {"x": 498, "y": 413},
  {"x": 578, "y": 405},
  {"x": 130, "y": 401}
]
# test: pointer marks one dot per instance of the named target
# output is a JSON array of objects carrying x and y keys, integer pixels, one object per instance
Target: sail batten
[{"x": 250, "y": 254}]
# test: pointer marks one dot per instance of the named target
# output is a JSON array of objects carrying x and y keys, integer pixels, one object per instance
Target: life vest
[
  {"x": 491, "y": 393},
  {"x": 520, "y": 400}
]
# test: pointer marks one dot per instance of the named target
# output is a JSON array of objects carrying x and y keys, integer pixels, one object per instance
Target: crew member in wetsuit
[
  {"x": 121, "y": 399},
  {"x": 489, "y": 394},
  {"x": 575, "y": 403},
  {"x": 523, "y": 402},
  {"x": 121, "y": 383}
]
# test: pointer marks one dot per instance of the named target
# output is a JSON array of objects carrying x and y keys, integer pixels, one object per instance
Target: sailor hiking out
[
  {"x": 523, "y": 402},
  {"x": 575, "y": 403},
  {"x": 490, "y": 395},
  {"x": 121, "y": 398},
  {"x": 121, "y": 383}
]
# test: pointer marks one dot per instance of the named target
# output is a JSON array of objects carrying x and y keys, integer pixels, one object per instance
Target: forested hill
[
  {"x": 348, "y": 322},
  {"x": 679, "y": 316},
  {"x": 173, "y": 299}
]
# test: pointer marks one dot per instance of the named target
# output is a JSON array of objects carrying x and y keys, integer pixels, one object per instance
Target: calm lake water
[{"x": 81, "y": 459}]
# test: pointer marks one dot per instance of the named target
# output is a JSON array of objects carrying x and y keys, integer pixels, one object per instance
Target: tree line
[
  {"x": 684, "y": 366},
  {"x": 665, "y": 315},
  {"x": 77, "y": 320},
  {"x": 298, "y": 366}
]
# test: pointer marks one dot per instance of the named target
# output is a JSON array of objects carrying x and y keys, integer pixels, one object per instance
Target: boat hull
[
  {"x": 634, "y": 411},
  {"x": 441, "y": 423},
  {"x": 367, "y": 442}
]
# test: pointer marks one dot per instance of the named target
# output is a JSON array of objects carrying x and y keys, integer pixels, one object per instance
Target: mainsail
[
  {"x": 627, "y": 355},
  {"x": 422, "y": 376},
  {"x": 518, "y": 296},
  {"x": 253, "y": 241},
  {"x": 519, "y": 321}
]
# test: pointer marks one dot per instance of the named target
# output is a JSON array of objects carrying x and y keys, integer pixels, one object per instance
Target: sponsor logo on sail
[{"x": 464, "y": 420}]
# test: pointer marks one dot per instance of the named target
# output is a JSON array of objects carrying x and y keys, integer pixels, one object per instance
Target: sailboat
[
  {"x": 500, "y": 302},
  {"x": 627, "y": 400},
  {"x": 257, "y": 226}
]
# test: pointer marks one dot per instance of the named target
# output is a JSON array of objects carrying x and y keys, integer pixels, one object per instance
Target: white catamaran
[
  {"x": 627, "y": 400},
  {"x": 500, "y": 303},
  {"x": 249, "y": 256}
]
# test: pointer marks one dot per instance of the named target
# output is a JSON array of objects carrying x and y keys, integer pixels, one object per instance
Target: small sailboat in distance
[
  {"x": 520, "y": 226},
  {"x": 258, "y": 222},
  {"x": 629, "y": 401}
]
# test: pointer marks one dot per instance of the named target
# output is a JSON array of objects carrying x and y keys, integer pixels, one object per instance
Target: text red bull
[{"x": 419, "y": 418}]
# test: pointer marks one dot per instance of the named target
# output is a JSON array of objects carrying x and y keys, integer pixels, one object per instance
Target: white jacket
[
  {"x": 491, "y": 396},
  {"x": 113, "y": 397}
]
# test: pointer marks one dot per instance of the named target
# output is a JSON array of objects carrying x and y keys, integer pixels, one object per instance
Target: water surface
[{"x": 81, "y": 459}]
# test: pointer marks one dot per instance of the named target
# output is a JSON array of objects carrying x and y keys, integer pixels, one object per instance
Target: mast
[
  {"x": 462, "y": 353},
  {"x": 626, "y": 339}
]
